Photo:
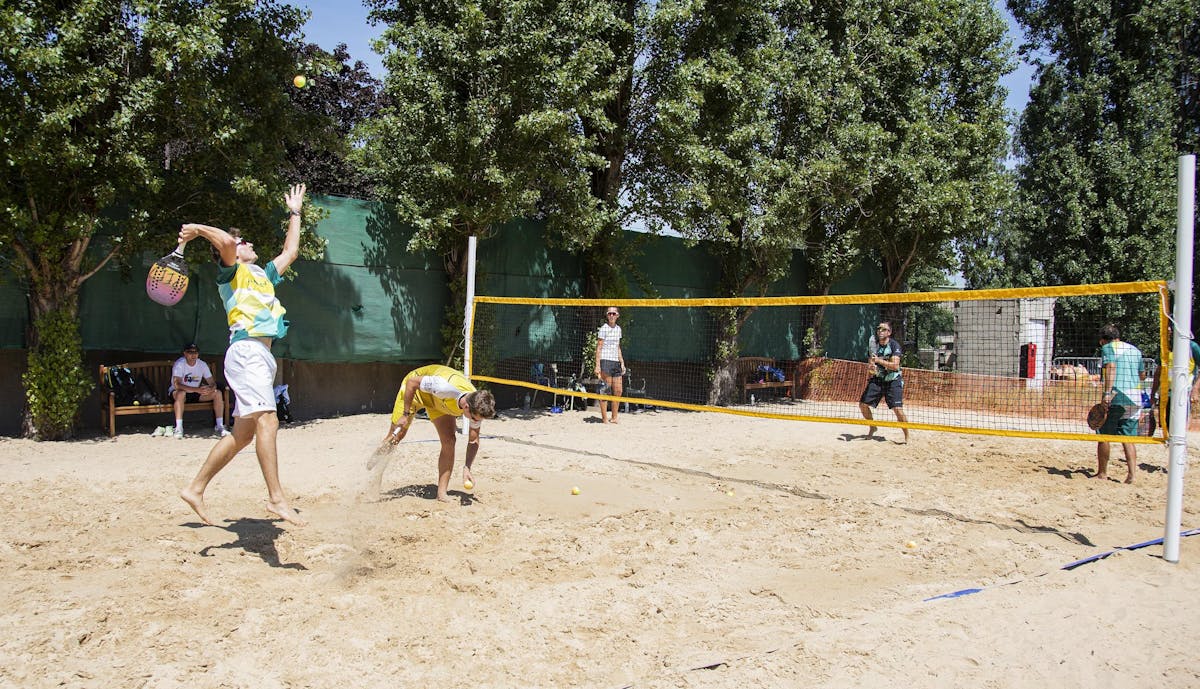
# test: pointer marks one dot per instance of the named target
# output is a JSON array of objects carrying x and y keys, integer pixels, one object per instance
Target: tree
[
  {"x": 485, "y": 122},
  {"x": 609, "y": 131},
  {"x": 119, "y": 118},
  {"x": 337, "y": 97},
  {"x": 933, "y": 91},
  {"x": 1115, "y": 101},
  {"x": 712, "y": 165}
]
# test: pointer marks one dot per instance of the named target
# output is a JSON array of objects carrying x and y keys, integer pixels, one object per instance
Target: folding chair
[
  {"x": 537, "y": 375},
  {"x": 638, "y": 391}
]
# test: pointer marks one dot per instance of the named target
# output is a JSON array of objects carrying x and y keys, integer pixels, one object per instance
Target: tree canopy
[
  {"x": 1114, "y": 104},
  {"x": 120, "y": 120}
]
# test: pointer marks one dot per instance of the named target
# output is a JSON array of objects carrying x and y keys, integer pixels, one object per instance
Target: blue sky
[{"x": 345, "y": 21}]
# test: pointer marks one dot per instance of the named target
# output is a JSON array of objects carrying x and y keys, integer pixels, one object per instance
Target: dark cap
[{"x": 191, "y": 347}]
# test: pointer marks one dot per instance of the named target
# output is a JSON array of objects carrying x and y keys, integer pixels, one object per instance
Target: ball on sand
[
  {"x": 468, "y": 485},
  {"x": 300, "y": 81},
  {"x": 910, "y": 544},
  {"x": 575, "y": 490}
]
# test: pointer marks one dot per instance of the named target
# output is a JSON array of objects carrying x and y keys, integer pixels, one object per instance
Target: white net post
[
  {"x": 1180, "y": 356},
  {"x": 468, "y": 310}
]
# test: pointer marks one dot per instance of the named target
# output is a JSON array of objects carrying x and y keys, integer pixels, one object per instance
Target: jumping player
[{"x": 255, "y": 321}]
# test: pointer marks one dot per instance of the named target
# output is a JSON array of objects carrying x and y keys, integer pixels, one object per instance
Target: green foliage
[
  {"x": 496, "y": 111},
  {"x": 935, "y": 113},
  {"x": 1097, "y": 146},
  {"x": 55, "y": 382},
  {"x": 710, "y": 163},
  {"x": 338, "y": 96},
  {"x": 588, "y": 354},
  {"x": 121, "y": 120}
]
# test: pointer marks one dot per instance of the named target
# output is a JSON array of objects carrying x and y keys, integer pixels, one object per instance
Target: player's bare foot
[
  {"x": 1129, "y": 478},
  {"x": 1102, "y": 477},
  {"x": 442, "y": 497},
  {"x": 871, "y": 431},
  {"x": 286, "y": 513},
  {"x": 196, "y": 502}
]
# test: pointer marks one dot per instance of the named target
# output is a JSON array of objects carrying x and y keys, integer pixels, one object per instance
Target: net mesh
[{"x": 1019, "y": 362}]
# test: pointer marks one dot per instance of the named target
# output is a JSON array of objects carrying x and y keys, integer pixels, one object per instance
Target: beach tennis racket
[
  {"x": 1097, "y": 415},
  {"x": 168, "y": 278}
]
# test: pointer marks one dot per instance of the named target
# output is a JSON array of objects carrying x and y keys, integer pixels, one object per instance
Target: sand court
[{"x": 702, "y": 550}]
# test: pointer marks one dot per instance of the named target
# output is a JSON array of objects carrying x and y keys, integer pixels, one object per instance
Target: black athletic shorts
[{"x": 890, "y": 391}]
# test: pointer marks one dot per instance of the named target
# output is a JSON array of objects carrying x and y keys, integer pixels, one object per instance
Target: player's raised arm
[{"x": 294, "y": 199}]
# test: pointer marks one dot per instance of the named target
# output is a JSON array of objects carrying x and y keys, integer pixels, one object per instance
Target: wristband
[{"x": 295, "y": 213}]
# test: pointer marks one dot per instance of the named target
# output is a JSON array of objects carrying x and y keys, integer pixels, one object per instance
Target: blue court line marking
[{"x": 1069, "y": 566}]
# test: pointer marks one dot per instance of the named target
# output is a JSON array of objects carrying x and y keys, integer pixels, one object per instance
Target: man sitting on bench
[{"x": 192, "y": 381}]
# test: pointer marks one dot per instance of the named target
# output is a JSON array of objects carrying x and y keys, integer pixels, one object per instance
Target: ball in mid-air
[{"x": 299, "y": 81}]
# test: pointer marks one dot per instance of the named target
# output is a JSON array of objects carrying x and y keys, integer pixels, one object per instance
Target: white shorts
[{"x": 250, "y": 372}]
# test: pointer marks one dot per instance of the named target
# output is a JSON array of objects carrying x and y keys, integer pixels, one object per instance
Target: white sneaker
[
  {"x": 178, "y": 434},
  {"x": 221, "y": 431},
  {"x": 158, "y": 432}
]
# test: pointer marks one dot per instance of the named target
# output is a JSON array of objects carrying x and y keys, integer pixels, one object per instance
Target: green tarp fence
[{"x": 371, "y": 300}]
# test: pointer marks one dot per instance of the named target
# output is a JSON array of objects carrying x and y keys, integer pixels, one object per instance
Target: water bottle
[
  {"x": 527, "y": 401},
  {"x": 751, "y": 398}
]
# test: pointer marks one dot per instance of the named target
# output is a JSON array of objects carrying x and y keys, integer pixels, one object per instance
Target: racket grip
[{"x": 179, "y": 249}]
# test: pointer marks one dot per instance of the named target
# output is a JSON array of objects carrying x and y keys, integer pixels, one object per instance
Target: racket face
[{"x": 167, "y": 281}]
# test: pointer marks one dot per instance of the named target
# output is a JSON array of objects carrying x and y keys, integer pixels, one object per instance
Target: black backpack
[
  {"x": 143, "y": 391},
  {"x": 120, "y": 381}
]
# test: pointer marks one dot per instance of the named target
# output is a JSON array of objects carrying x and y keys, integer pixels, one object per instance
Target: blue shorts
[
  {"x": 890, "y": 391},
  {"x": 611, "y": 368}
]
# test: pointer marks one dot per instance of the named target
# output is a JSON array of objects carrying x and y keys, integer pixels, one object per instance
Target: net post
[
  {"x": 1181, "y": 355},
  {"x": 468, "y": 315}
]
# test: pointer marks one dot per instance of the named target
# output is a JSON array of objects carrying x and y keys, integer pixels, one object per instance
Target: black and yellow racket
[{"x": 168, "y": 278}]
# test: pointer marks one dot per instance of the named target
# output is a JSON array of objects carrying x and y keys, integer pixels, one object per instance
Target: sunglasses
[
  {"x": 242, "y": 241},
  {"x": 613, "y": 313}
]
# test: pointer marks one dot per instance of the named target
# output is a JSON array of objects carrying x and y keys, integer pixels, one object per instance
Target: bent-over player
[{"x": 445, "y": 394}]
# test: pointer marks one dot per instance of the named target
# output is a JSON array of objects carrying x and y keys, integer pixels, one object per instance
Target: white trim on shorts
[{"x": 250, "y": 371}]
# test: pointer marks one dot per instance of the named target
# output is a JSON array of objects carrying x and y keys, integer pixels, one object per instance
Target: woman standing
[{"x": 610, "y": 363}]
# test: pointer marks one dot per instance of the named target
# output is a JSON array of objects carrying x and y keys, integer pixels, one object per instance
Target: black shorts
[
  {"x": 890, "y": 391},
  {"x": 610, "y": 368},
  {"x": 191, "y": 397}
]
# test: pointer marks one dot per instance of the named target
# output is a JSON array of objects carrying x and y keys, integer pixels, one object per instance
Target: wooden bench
[
  {"x": 159, "y": 375},
  {"x": 747, "y": 377}
]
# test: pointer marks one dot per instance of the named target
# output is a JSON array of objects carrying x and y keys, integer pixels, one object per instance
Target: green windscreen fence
[{"x": 370, "y": 299}]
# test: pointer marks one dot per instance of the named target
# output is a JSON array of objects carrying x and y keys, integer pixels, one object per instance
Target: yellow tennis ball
[
  {"x": 910, "y": 544},
  {"x": 468, "y": 485},
  {"x": 299, "y": 81},
  {"x": 136, "y": 403},
  {"x": 575, "y": 490},
  {"x": 729, "y": 493}
]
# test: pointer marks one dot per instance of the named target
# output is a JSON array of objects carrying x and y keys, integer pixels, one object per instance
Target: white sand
[{"x": 652, "y": 577}]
